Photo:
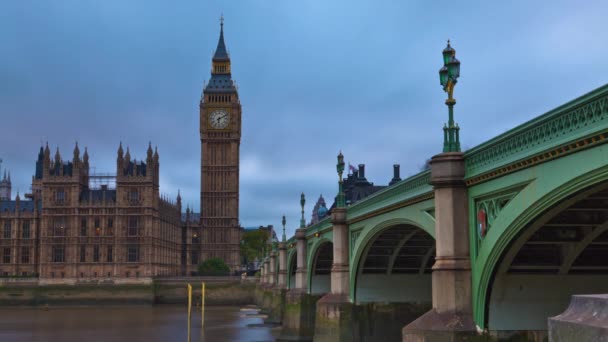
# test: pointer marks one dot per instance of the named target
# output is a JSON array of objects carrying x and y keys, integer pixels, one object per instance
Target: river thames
[{"x": 131, "y": 323}]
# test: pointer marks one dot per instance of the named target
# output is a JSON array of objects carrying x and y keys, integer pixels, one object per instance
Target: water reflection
[{"x": 139, "y": 323}]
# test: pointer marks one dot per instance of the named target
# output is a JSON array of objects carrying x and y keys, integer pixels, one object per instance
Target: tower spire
[{"x": 221, "y": 54}]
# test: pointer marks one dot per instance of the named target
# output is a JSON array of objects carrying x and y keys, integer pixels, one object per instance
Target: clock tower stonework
[{"x": 220, "y": 129}]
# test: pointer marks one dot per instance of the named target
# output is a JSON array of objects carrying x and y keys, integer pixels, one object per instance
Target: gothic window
[
  {"x": 25, "y": 232},
  {"x": 133, "y": 226},
  {"x": 25, "y": 255},
  {"x": 59, "y": 226},
  {"x": 83, "y": 227},
  {"x": 133, "y": 253},
  {"x": 110, "y": 228},
  {"x": 109, "y": 255},
  {"x": 97, "y": 227},
  {"x": 6, "y": 255},
  {"x": 7, "y": 230},
  {"x": 194, "y": 257},
  {"x": 83, "y": 253},
  {"x": 133, "y": 196},
  {"x": 58, "y": 253},
  {"x": 95, "y": 253},
  {"x": 60, "y": 196}
]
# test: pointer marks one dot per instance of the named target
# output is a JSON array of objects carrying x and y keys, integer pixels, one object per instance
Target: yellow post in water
[
  {"x": 189, "y": 308},
  {"x": 202, "y": 305}
]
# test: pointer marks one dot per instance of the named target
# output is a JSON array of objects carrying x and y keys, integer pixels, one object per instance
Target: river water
[{"x": 131, "y": 324}]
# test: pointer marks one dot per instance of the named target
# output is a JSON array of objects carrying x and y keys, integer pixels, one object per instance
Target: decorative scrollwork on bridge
[
  {"x": 580, "y": 118},
  {"x": 354, "y": 235},
  {"x": 489, "y": 208}
]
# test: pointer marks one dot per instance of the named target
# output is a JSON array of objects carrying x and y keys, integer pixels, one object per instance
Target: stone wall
[
  {"x": 76, "y": 294},
  {"x": 220, "y": 292}
]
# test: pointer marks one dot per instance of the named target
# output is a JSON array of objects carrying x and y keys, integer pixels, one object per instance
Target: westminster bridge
[{"x": 489, "y": 242}]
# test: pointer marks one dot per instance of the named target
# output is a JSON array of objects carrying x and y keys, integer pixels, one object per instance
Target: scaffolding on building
[{"x": 102, "y": 180}]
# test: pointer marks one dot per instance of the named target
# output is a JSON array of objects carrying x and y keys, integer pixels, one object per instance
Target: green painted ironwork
[
  {"x": 448, "y": 77},
  {"x": 560, "y": 179},
  {"x": 511, "y": 200},
  {"x": 284, "y": 237},
  {"x": 407, "y": 189},
  {"x": 341, "y": 198},
  {"x": 572, "y": 121},
  {"x": 302, "y": 202}
]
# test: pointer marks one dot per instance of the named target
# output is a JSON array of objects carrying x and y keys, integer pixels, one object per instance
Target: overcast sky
[{"x": 314, "y": 77}]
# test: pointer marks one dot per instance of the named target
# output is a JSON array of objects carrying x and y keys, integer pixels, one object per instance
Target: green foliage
[
  {"x": 213, "y": 266},
  {"x": 254, "y": 244}
]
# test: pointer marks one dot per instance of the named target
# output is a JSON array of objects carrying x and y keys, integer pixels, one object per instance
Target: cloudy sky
[{"x": 314, "y": 77}]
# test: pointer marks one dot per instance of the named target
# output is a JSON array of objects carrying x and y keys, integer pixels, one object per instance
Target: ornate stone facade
[
  {"x": 73, "y": 229},
  {"x": 220, "y": 130}
]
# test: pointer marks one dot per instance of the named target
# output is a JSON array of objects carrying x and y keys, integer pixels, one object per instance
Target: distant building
[
  {"x": 5, "y": 186},
  {"x": 357, "y": 187},
  {"x": 319, "y": 211},
  {"x": 75, "y": 229}
]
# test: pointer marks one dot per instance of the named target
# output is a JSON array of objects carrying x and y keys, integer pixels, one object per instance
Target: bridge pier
[
  {"x": 334, "y": 319},
  {"x": 258, "y": 295},
  {"x": 451, "y": 317},
  {"x": 274, "y": 296},
  {"x": 299, "y": 312}
]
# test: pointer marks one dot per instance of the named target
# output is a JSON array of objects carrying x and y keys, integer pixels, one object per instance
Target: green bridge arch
[
  {"x": 545, "y": 186},
  {"x": 364, "y": 232}
]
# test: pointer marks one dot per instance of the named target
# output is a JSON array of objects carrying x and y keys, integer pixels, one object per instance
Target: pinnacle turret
[
  {"x": 76, "y": 153},
  {"x": 85, "y": 157},
  {"x": 221, "y": 53}
]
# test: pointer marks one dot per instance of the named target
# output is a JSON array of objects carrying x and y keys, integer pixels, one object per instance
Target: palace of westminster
[{"x": 76, "y": 226}]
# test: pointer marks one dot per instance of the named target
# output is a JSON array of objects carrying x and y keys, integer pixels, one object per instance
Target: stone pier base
[
  {"x": 299, "y": 316},
  {"x": 276, "y": 306},
  {"x": 258, "y": 295},
  {"x": 265, "y": 300},
  {"x": 383, "y": 322},
  {"x": 334, "y": 320},
  {"x": 442, "y": 327},
  {"x": 586, "y": 319}
]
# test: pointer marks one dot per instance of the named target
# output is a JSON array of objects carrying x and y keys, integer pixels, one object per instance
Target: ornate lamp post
[
  {"x": 340, "y": 201},
  {"x": 302, "y": 202},
  {"x": 448, "y": 76},
  {"x": 284, "y": 238}
]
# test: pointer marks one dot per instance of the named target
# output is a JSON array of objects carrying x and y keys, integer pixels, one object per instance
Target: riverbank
[
  {"x": 158, "y": 323},
  {"x": 162, "y": 291}
]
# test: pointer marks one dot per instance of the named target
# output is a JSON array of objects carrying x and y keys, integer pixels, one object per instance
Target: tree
[
  {"x": 254, "y": 244},
  {"x": 213, "y": 266}
]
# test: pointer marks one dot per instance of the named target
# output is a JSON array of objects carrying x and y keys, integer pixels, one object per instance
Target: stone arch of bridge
[
  {"x": 559, "y": 238},
  {"x": 291, "y": 268},
  {"x": 393, "y": 264},
  {"x": 319, "y": 266},
  {"x": 370, "y": 232}
]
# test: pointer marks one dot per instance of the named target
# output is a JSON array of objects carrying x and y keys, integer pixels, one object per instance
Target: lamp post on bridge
[
  {"x": 335, "y": 310},
  {"x": 283, "y": 259},
  {"x": 451, "y": 277},
  {"x": 301, "y": 267},
  {"x": 448, "y": 76}
]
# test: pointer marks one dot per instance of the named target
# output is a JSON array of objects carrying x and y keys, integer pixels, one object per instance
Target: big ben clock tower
[{"x": 220, "y": 128}]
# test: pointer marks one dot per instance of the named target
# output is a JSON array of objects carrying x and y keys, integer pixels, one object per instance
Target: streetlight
[
  {"x": 448, "y": 77},
  {"x": 283, "y": 222},
  {"x": 302, "y": 202},
  {"x": 340, "y": 202}
]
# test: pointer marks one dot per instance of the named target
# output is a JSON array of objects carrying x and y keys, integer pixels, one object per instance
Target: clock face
[{"x": 219, "y": 119}]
